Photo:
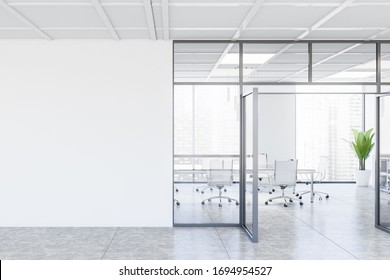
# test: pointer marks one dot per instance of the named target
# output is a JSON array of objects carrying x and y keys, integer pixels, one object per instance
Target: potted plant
[{"x": 362, "y": 146}]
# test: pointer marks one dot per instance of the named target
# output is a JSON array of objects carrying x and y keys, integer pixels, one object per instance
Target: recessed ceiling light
[{"x": 250, "y": 58}]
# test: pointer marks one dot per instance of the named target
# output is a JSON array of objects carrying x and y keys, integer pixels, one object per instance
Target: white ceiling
[{"x": 194, "y": 19}]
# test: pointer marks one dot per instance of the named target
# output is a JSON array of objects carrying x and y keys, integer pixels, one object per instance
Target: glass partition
[
  {"x": 249, "y": 159},
  {"x": 206, "y": 147},
  {"x": 275, "y": 63},
  {"x": 344, "y": 62},
  {"x": 383, "y": 162}
]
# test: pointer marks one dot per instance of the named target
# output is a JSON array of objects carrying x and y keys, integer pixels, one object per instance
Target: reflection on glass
[
  {"x": 206, "y": 62},
  {"x": 384, "y": 162},
  {"x": 385, "y": 64},
  {"x": 275, "y": 63},
  {"x": 322, "y": 122},
  {"x": 344, "y": 62}
]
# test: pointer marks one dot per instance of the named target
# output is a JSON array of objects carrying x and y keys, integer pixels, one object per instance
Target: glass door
[
  {"x": 249, "y": 164},
  {"x": 382, "y": 215}
]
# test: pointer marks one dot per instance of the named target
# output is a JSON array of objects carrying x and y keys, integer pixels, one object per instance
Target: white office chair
[
  {"x": 285, "y": 175},
  {"x": 265, "y": 178},
  {"x": 220, "y": 178},
  {"x": 216, "y": 164},
  {"x": 318, "y": 177}
]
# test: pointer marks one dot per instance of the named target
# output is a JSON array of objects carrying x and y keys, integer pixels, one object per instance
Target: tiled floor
[{"x": 339, "y": 228}]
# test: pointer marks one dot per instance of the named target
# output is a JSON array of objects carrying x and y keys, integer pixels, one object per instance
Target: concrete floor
[{"x": 339, "y": 228}]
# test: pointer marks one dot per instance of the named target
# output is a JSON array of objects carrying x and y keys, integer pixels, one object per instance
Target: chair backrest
[
  {"x": 221, "y": 163},
  {"x": 215, "y": 164},
  {"x": 221, "y": 172},
  {"x": 263, "y": 160},
  {"x": 221, "y": 177},
  {"x": 322, "y": 166},
  {"x": 285, "y": 173}
]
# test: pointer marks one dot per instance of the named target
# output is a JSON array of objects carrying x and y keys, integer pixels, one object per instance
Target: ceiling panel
[
  {"x": 306, "y": 1},
  {"x": 78, "y": 34},
  {"x": 270, "y": 34},
  {"x": 157, "y": 15},
  {"x": 122, "y": 1},
  {"x": 209, "y": 2},
  {"x": 201, "y": 34},
  {"x": 62, "y": 16},
  {"x": 126, "y": 16},
  {"x": 373, "y": 2},
  {"x": 207, "y": 16},
  {"x": 288, "y": 16},
  {"x": 206, "y": 19},
  {"x": 133, "y": 34},
  {"x": 341, "y": 34},
  {"x": 19, "y": 34},
  {"x": 47, "y": 1},
  {"x": 384, "y": 36},
  {"x": 361, "y": 16},
  {"x": 8, "y": 20}
]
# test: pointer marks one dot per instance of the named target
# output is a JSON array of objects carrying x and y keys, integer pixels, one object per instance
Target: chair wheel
[
  {"x": 211, "y": 189},
  {"x": 320, "y": 198},
  {"x": 225, "y": 190},
  {"x": 266, "y": 203},
  {"x": 202, "y": 192},
  {"x": 270, "y": 200},
  {"x": 197, "y": 190},
  {"x": 297, "y": 194},
  {"x": 301, "y": 203},
  {"x": 202, "y": 202},
  {"x": 220, "y": 205},
  {"x": 327, "y": 196},
  {"x": 177, "y": 190},
  {"x": 237, "y": 203},
  {"x": 209, "y": 200},
  {"x": 285, "y": 205},
  {"x": 270, "y": 192},
  {"x": 300, "y": 197},
  {"x": 273, "y": 190},
  {"x": 229, "y": 200},
  {"x": 291, "y": 200},
  {"x": 177, "y": 203}
]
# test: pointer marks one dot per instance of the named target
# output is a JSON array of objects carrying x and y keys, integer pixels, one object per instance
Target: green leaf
[{"x": 362, "y": 144}]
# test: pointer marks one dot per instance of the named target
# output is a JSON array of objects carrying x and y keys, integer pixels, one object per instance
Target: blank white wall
[
  {"x": 86, "y": 133},
  {"x": 277, "y": 126}
]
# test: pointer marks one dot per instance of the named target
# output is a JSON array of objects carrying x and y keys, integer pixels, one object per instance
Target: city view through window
[{"x": 207, "y": 125}]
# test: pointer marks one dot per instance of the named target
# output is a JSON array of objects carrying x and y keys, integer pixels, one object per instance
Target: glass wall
[
  {"x": 384, "y": 162},
  {"x": 327, "y": 80},
  {"x": 206, "y": 136},
  {"x": 323, "y": 124}
]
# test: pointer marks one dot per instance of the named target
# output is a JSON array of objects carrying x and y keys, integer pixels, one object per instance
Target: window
[
  {"x": 324, "y": 122},
  {"x": 207, "y": 125}
]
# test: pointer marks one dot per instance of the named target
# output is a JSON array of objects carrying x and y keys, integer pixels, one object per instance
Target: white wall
[
  {"x": 86, "y": 133},
  {"x": 277, "y": 126}
]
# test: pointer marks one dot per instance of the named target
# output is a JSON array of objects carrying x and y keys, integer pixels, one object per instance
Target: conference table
[{"x": 268, "y": 170}]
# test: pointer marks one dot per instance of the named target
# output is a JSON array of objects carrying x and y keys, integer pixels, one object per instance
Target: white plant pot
[{"x": 362, "y": 177}]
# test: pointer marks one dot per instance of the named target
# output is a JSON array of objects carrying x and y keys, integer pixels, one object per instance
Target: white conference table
[{"x": 309, "y": 172}]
